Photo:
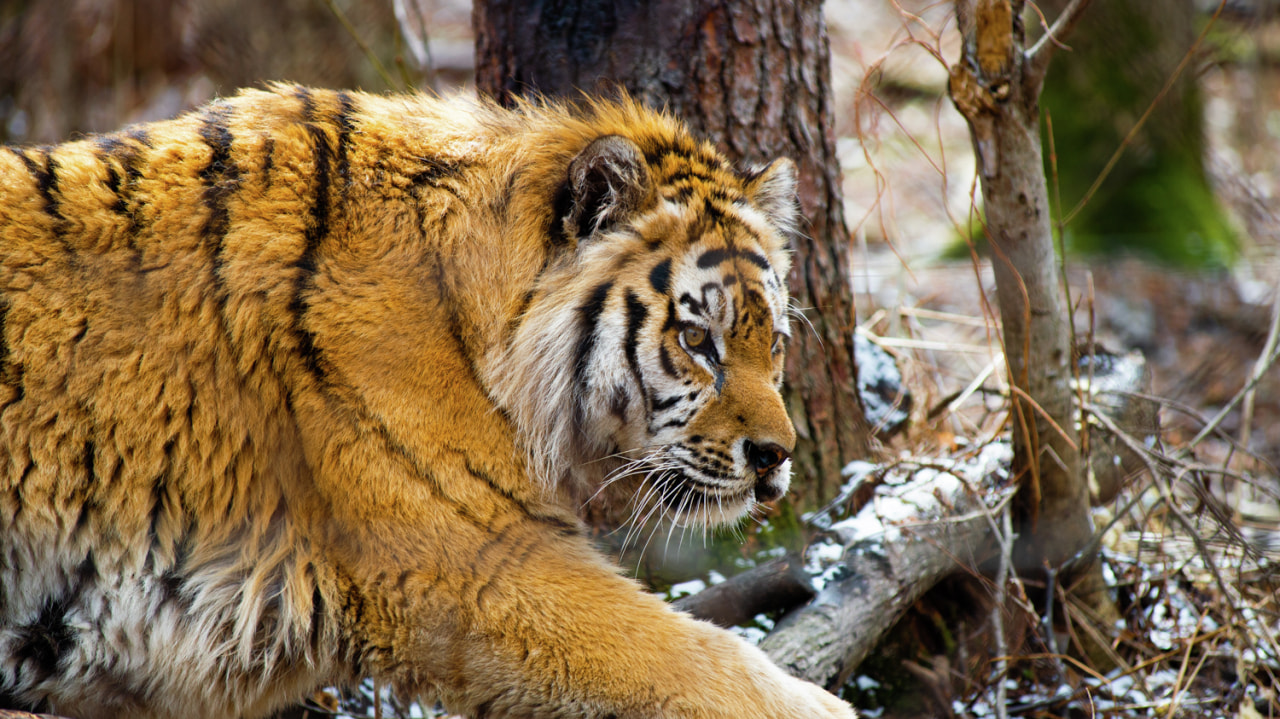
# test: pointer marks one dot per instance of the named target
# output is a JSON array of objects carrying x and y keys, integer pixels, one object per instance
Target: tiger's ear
[
  {"x": 608, "y": 183},
  {"x": 772, "y": 189}
]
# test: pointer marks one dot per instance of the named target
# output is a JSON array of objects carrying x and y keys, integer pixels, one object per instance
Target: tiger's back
[
  {"x": 265, "y": 407},
  {"x": 146, "y": 391}
]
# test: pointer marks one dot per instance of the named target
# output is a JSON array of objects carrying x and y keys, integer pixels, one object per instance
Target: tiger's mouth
[{"x": 692, "y": 495}]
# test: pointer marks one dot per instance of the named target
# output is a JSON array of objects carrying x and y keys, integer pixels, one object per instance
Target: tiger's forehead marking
[
  {"x": 720, "y": 255},
  {"x": 725, "y": 273},
  {"x": 728, "y": 283}
]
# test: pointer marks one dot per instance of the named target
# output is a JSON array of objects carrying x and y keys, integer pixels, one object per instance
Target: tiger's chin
[{"x": 701, "y": 505}]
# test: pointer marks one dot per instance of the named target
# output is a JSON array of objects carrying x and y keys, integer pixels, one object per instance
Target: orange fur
[{"x": 308, "y": 386}]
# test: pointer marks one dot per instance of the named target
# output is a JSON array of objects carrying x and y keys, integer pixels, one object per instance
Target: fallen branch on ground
[{"x": 903, "y": 542}]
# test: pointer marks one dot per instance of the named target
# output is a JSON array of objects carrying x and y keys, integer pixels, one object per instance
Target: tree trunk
[
  {"x": 996, "y": 86},
  {"x": 752, "y": 76}
]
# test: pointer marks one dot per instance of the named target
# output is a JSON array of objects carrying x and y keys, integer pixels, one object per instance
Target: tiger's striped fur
[{"x": 307, "y": 386}]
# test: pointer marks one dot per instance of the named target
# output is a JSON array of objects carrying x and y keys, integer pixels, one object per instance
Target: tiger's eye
[{"x": 694, "y": 336}]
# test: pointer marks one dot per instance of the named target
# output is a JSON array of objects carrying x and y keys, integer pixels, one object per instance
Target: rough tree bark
[
  {"x": 996, "y": 86},
  {"x": 752, "y": 76}
]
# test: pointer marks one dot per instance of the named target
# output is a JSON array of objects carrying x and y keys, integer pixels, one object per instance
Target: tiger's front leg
[{"x": 531, "y": 622}]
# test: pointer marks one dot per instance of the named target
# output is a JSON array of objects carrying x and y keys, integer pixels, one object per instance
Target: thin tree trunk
[
  {"x": 752, "y": 76},
  {"x": 996, "y": 86}
]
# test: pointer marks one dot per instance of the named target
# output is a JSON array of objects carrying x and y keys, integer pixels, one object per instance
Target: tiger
[{"x": 309, "y": 386}]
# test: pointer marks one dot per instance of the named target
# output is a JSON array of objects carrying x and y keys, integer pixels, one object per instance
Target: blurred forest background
[{"x": 1173, "y": 251}]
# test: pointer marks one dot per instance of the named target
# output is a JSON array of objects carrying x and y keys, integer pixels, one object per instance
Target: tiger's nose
[{"x": 764, "y": 457}]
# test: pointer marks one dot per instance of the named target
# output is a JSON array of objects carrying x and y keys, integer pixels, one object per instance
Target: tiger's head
[{"x": 655, "y": 340}]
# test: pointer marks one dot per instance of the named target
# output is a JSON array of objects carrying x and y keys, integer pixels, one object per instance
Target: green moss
[{"x": 1156, "y": 201}]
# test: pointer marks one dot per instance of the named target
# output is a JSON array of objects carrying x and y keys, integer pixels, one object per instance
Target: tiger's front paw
[
  {"x": 771, "y": 693},
  {"x": 817, "y": 703}
]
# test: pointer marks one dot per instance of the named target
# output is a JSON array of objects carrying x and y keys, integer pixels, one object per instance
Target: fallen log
[
  {"x": 922, "y": 523},
  {"x": 777, "y": 585}
]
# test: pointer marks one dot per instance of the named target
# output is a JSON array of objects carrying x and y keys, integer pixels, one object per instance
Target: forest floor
[{"x": 1190, "y": 549}]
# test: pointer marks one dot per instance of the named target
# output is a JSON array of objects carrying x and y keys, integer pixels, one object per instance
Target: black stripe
[
  {"x": 518, "y": 315},
  {"x": 124, "y": 149},
  {"x": 172, "y": 580},
  {"x": 660, "y": 276},
  {"x": 107, "y": 147},
  {"x": 316, "y": 231},
  {"x": 91, "y": 472},
  {"x": 588, "y": 321},
  {"x": 445, "y": 298},
  {"x": 139, "y": 135},
  {"x": 435, "y": 171},
  {"x": 711, "y": 212},
  {"x": 510, "y": 554},
  {"x": 463, "y": 510},
  {"x": 319, "y": 614},
  {"x": 46, "y": 178},
  {"x": 319, "y": 226},
  {"x": 713, "y": 258},
  {"x": 421, "y": 471},
  {"x": 687, "y": 174},
  {"x": 636, "y": 315},
  {"x": 618, "y": 403},
  {"x": 561, "y": 206},
  {"x": 88, "y": 508},
  {"x": 670, "y": 320},
  {"x": 661, "y": 404},
  {"x": 695, "y": 306},
  {"x": 559, "y": 524},
  {"x": 346, "y": 123},
  {"x": 268, "y": 158},
  {"x": 681, "y": 196},
  {"x": 221, "y": 178},
  {"x": 308, "y": 103},
  {"x": 664, "y": 357},
  {"x": 4, "y": 340},
  {"x": 159, "y": 496},
  {"x": 756, "y": 259}
]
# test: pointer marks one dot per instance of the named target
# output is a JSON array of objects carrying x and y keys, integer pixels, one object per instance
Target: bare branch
[
  {"x": 779, "y": 585},
  {"x": 1265, "y": 360},
  {"x": 1039, "y": 55}
]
